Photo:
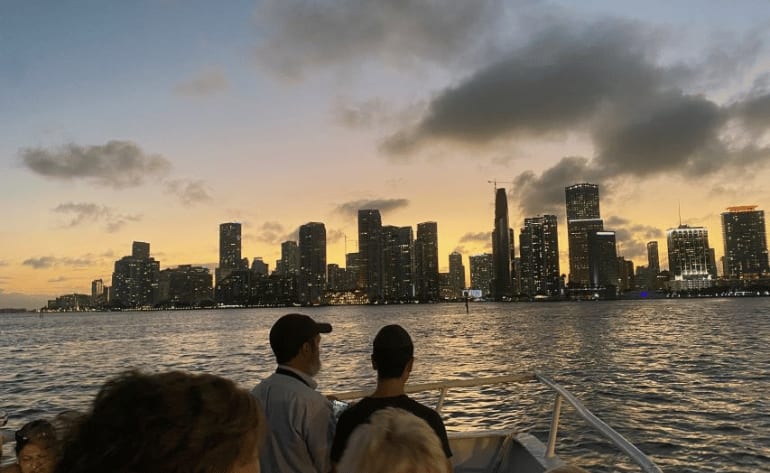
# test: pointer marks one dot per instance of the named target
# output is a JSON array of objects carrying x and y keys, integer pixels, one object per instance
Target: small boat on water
[
  {"x": 505, "y": 451},
  {"x": 501, "y": 451}
]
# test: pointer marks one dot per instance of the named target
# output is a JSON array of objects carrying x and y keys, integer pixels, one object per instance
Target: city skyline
[{"x": 157, "y": 121}]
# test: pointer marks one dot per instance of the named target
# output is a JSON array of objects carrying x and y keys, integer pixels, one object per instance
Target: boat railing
[{"x": 562, "y": 394}]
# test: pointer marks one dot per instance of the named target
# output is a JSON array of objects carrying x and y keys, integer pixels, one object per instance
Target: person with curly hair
[{"x": 166, "y": 422}]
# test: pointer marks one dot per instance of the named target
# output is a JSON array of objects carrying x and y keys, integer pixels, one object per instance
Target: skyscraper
[
  {"x": 481, "y": 273},
  {"x": 312, "y": 262},
  {"x": 745, "y": 241},
  {"x": 229, "y": 250},
  {"x": 603, "y": 260},
  {"x": 135, "y": 278},
  {"x": 370, "y": 253},
  {"x": 689, "y": 257},
  {"x": 456, "y": 275},
  {"x": 426, "y": 258},
  {"x": 397, "y": 263},
  {"x": 289, "y": 258},
  {"x": 583, "y": 217},
  {"x": 501, "y": 249},
  {"x": 539, "y": 265},
  {"x": 653, "y": 259}
]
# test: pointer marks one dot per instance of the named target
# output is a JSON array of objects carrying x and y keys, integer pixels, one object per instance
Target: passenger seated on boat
[
  {"x": 37, "y": 449},
  {"x": 300, "y": 419},
  {"x": 393, "y": 358},
  {"x": 393, "y": 441},
  {"x": 164, "y": 422}
]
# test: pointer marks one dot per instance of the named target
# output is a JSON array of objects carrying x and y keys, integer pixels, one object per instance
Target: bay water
[{"x": 687, "y": 381}]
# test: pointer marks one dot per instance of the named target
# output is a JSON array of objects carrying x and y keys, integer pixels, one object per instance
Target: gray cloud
[
  {"x": 206, "y": 83},
  {"x": 3, "y": 263},
  {"x": 273, "y": 233},
  {"x": 383, "y": 205},
  {"x": 59, "y": 279},
  {"x": 116, "y": 164},
  {"x": 544, "y": 194},
  {"x": 604, "y": 80},
  {"x": 484, "y": 237},
  {"x": 189, "y": 192},
  {"x": 298, "y": 36},
  {"x": 85, "y": 213},
  {"x": 754, "y": 113},
  {"x": 45, "y": 262}
]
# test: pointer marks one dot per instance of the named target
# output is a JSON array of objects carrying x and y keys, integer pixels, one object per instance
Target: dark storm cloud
[
  {"x": 116, "y": 164},
  {"x": 189, "y": 192},
  {"x": 84, "y": 213},
  {"x": 45, "y": 262},
  {"x": 557, "y": 82},
  {"x": 754, "y": 112},
  {"x": 297, "y": 36},
  {"x": 604, "y": 80},
  {"x": 383, "y": 205}
]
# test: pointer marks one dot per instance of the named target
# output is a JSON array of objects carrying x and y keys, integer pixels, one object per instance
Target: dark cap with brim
[{"x": 291, "y": 331}]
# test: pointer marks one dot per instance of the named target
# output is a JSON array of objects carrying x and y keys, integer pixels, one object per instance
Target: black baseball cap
[{"x": 290, "y": 332}]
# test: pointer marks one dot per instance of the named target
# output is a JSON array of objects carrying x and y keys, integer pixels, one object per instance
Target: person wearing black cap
[
  {"x": 300, "y": 419},
  {"x": 392, "y": 357}
]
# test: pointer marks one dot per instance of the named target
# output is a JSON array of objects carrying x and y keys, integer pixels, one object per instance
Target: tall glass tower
[
  {"x": 745, "y": 239},
  {"x": 370, "y": 253},
  {"x": 582, "y": 218},
  {"x": 539, "y": 247},
  {"x": 312, "y": 262},
  {"x": 501, "y": 249},
  {"x": 229, "y": 249}
]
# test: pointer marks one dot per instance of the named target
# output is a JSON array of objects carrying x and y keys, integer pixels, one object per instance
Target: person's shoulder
[{"x": 422, "y": 409}]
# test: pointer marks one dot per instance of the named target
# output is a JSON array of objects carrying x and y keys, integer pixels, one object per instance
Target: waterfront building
[
  {"x": 259, "y": 267},
  {"x": 135, "y": 278},
  {"x": 229, "y": 250},
  {"x": 745, "y": 241},
  {"x": 370, "y": 253},
  {"x": 689, "y": 258},
  {"x": 501, "y": 249},
  {"x": 397, "y": 263},
  {"x": 426, "y": 262},
  {"x": 289, "y": 258},
  {"x": 539, "y": 263},
  {"x": 603, "y": 259},
  {"x": 185, "y": 286},
  {"x": 456, "y": 275},
  {"x": 653, "y": 257},
  {"x": 481, "y": 273},
  {"x": 98, "y": 294},
  {"x": 312, "y": 262},
  {"x": 625, "y": 274},
  {"x": 583, "y": 218}
]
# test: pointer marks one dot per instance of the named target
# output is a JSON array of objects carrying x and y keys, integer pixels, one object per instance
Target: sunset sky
[{"x": 157, "y": 120}]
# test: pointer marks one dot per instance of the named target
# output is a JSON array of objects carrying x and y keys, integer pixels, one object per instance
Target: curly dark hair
[{"x": 173, "y": 422}]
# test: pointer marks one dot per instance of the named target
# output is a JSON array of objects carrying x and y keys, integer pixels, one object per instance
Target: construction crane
[{"x": 495, "y": 181}]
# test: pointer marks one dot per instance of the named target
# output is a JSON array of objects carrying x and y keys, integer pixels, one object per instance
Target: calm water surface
[{"x": 686, "y": 380}]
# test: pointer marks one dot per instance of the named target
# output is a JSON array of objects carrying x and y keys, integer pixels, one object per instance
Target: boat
[{"x": 505, "y": 451}]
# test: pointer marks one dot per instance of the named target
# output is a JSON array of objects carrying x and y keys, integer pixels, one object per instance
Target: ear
[{"x": 408, "y": 367}]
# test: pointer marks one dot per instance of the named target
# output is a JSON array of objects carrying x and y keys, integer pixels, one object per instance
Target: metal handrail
[
  {"x": 642, "y": 460},
  {"x": 611, "y": 434}
]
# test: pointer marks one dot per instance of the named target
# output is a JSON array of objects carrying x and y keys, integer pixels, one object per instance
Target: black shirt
[{"x": 360, "y": 412}]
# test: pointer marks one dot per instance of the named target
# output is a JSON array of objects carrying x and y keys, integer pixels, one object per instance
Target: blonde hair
[{"x": 394, "y": 441}]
